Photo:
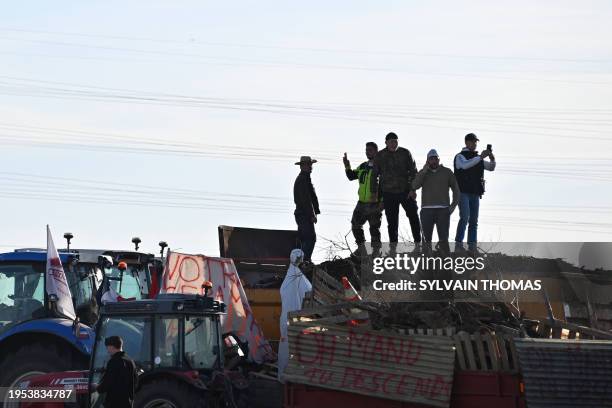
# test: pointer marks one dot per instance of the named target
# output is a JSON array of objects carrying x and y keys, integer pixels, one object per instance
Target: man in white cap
[
  {"x": 306, "y": 206},
  {"x": 436, "y": 207}
]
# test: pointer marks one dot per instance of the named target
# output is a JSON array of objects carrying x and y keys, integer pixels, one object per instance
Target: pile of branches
[{"x": 467, "y": 316}]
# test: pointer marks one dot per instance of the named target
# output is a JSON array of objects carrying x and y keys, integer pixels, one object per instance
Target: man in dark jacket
[
  {"x": 469, "y": 171},
  {"x": 306, "y": 207},
  {"x": 120, "y": 376},
  {"x": 395, "y": 168},
  {"x": 369, "y": 206}
]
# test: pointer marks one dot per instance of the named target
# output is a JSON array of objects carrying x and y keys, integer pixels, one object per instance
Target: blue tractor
[{"x": 34, "y": 338}]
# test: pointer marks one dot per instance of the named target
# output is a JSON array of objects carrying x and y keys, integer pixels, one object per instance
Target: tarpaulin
[{"x": 185, "y": 273}]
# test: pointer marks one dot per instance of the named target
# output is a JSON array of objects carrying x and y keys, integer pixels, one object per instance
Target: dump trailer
[
  {"x": 261, "y": 257},
  {"x": 34, "y": 338}
]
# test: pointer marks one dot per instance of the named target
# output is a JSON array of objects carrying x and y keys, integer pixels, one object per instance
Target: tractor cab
[
  {"x": 90, "y": 273},
  {"x": 130, "y": 275},
  {"x": 175, "y": 340},
  {"x": 22, "y": 285}
]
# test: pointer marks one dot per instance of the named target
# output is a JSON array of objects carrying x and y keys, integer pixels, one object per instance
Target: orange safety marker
[{"x": 350, "y": 294}]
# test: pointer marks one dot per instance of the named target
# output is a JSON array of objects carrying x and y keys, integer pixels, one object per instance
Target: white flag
[{"x": 56, "y": 282}]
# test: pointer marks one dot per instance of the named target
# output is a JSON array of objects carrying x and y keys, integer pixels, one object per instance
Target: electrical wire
[{"x": 193, "y": 41}]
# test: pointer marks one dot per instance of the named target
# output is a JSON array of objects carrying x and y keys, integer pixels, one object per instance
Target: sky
[{"x": 164, "y": 120}]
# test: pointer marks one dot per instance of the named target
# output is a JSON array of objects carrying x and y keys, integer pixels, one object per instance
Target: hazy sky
[{"x": 166, "y": 119}]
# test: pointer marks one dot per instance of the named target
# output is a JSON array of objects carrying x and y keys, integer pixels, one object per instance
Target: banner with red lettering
[
  {"x": 410, "y": 368},
  {"x": 184, "y": 273},
  {"x": 56, "y": 282}
]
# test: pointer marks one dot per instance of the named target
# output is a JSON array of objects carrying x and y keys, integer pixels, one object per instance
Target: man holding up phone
[
  {"x": 436, "y": 208},
  {"x": 469, "y": 171}
]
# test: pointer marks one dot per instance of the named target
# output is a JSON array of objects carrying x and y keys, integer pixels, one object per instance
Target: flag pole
[{"x": 46, "y": 271}]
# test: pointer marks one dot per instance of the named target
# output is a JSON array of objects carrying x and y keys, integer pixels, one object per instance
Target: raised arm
[
  {"x": 419, "y": 179},
  {"x": 462, "y": 163},
  {"x": 350, "y": 174}
]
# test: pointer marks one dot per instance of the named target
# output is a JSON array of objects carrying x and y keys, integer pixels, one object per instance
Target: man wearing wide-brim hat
[{"x": 306, "y": 206}]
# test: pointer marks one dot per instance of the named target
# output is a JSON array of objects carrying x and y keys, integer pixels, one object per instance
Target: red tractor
[{"x": 179, "y": 350}]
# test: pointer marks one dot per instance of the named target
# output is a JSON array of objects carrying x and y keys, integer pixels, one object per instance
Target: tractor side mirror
[{"x": 234, "y": 351}]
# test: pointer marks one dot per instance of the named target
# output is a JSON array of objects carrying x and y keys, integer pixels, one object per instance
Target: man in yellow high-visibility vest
[{"x": 369, "y": 206}]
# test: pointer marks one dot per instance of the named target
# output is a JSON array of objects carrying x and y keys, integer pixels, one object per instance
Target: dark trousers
[
  {"x": 306, "y": 234},
  {"x": 366, "y": 212},
  {"x": 440, "y": 217},
  {"x": 392, "y": 203}
]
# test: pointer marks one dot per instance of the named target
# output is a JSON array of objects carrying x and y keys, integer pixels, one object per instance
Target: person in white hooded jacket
[{"x": 294, "y": 288}]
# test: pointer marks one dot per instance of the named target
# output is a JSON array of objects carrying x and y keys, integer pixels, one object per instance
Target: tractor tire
[
  {"x": 36, "y": 359},
  {"x": 168, "y": 394}
]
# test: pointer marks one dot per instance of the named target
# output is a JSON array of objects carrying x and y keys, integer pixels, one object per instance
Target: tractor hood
[{"x": 60, "y": 327}]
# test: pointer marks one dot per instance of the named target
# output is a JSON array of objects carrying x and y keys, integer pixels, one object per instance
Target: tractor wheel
[
  {"x": 35, "y": 359},
  {"x": 168, "y": 394}
]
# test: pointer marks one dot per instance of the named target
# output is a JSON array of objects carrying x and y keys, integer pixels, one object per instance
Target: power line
[
  {"x": 21, "y": 184},
  {"x": 238, "y": 61},
  {"x": 599, "y": 169},
  {"x": 96, "y": 93},
  {"x": 192, "y": 41},
  {"x": 597, "y": 172}
]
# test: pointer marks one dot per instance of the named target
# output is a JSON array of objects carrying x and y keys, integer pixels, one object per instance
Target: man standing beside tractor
[{"x": 120, "y": 377}]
